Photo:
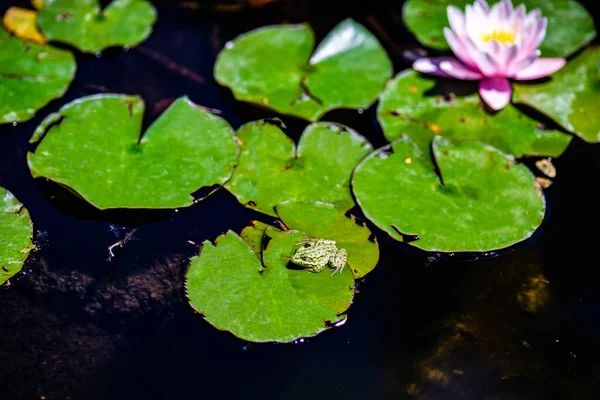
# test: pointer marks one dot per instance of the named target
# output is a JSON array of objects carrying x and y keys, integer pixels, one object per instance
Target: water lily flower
[{"x": 493, "y": 45}]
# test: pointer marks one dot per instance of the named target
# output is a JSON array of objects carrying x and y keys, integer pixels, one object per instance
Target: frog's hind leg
[{"x": 338, "y": 261}]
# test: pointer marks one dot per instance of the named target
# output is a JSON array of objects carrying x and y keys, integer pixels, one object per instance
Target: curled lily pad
[
  {"x": 570, "y": 27},
  {"x": 86, "y": 26},
  {"x": 481, "y": 200},
  {"x": 93, "y": 146},
  {"x": 271, "y": 170},
  {"x": 31, "y": 75},
  {"x": 329, "y": 221},
  {"x": 422, "y": 108},
  {"x": 570, "y": 97},
  {"x": 273, "y": 67},
  {"x": 16, "y": 231},
  {"x": 263, "y": 300}
]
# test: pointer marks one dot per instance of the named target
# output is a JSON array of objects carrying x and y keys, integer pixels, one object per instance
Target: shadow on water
[{"x": 81, "y": 323}]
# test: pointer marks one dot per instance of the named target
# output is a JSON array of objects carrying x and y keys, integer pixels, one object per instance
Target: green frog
[{"x": 315, "y": 254}]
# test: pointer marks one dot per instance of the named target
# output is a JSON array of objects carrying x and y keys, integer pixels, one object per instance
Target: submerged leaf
[
  {"x": 273, "y": 67},
  {"x": 480, "y": 201},
  {"x": 84, "y": 25},
  {"x": 93, "y": 146},
  {"x": 570, "y": 27},
  {"x": 271, "y": 170},
  {"x": 16, "y": 231},
  {"x": 31, "y": 75},
  {"x": 228, "y": 284},
  {"x": 570, "y": 97},
  {"x": 328, "y": 221},
  {"x": 422, "y": 108}
]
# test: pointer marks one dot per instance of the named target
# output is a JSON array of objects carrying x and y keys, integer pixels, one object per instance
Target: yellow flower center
[{"x": 501, "y": 36}]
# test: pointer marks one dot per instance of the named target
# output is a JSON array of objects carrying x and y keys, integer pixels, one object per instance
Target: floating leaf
[
  {"x": 84, "y": 25},
  {"x": 570, "y": 27},
  {"x": 230, "y": 287},
  {"x": 328, "y": 221},
  {"x": 22, "y": 23},
  {"x": 16, "y": 231},
  {"x": 93, "y": 146},
  {"x": 570, "y": 97},
  {"x": 480, "y": 201},
  {"x": 422, "y": 108},
  {"x": 271, "y": 170},
  {"x": 272, "y": 66},
  {"x": 31, "y": 75}
]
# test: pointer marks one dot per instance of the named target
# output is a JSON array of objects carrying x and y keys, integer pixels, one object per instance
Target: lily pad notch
[
  {"x": 93, "y": 147},
  {"x": 273, "y": 67}
]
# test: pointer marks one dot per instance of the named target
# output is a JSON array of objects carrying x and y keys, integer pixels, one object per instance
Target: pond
[{"x": 89, "y": 320}]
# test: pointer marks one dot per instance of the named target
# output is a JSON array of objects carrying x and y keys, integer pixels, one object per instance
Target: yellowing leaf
[{"x": 22, "y": 23}]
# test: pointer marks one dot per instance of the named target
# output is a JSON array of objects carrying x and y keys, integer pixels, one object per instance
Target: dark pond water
[{"x": 76, "y": 325}]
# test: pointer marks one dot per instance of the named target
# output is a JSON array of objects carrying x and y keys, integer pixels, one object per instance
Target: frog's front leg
[
  {"x": 338, "y": 261},
  {"x": 317, "y": 268}
]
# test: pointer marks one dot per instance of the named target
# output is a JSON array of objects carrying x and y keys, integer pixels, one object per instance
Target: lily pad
[
  {"x": 570, "y": 27},
  {"x": 16, "y": 231},
  {"x": 31, "y": 75},
  {"x": 328, "y": 221},
  {"x": 86, "y": 26},
  {"x": 93, "y": 146},
  {"x": 229, "y": 285},
  {"x": 271, "y": 170},
  {"x": 480, "y": 201},
  {"x": 422, "y": 108},
  {"x": 571, "y": 97},
  {"x": 273, "y": 67}
]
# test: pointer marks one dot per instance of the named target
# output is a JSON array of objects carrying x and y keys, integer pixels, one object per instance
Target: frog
[{"x": 315, "y": 254}]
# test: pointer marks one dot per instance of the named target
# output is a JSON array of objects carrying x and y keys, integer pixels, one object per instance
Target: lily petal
[
  {"x": 456, "y": 19},
  {"x": 458, "y": 48},
  {"x": 431, "y": 66},
  {"x": 540, "y": 68},
  {"x": 496, "y": 92},
  {"x": 458, "y": 70}
]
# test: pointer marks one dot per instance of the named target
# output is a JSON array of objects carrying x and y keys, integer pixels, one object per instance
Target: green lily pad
[
  {"x": 93, "y": 147},
  {"x": 422, "y": 108},
  {"x": 16, "y": 231},
  {"x": 570, "y": 97},
  {"x": 273, "y": 67},
  {"x": 271, "y": 170},
  {"x": 570, "y": 27},
  {"x": 229, "y": 285},
  {"x": 481, "y": 201},
  {"x": 328, "y": 221},
  {"x": 84, "y": 25},
  {"x": 31, "y": 75}
]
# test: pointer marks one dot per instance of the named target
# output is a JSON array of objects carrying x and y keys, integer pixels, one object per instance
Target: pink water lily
[{"x": 493, "y": 45}]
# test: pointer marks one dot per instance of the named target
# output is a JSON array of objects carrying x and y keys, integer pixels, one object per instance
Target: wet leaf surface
[
  {"x": 93, "y": 147},
  {"x": 16, "y": 233},
  {"x": 273, "y": 67},
  {"x": 234, "y": 291},
  {"x": 86, "y": 26},
  {"x": 481, "y": 201},
  {"x": 271, "y": 170},
  {"x": 422, "y": 108},
  {"x": 570, "y": 27},
  {"x": 31, "y": 75},
  {"x": 328, "y": 221},
  {"x": 570, "y": 97}
]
